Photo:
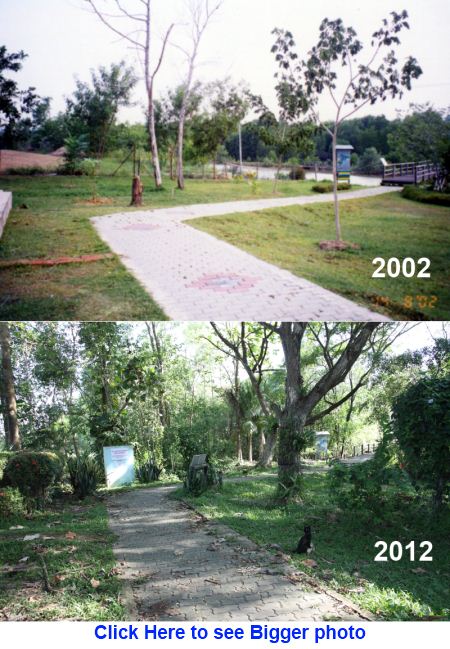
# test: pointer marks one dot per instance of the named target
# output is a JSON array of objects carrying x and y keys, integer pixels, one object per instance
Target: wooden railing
[{"x": 411, "y": 172}]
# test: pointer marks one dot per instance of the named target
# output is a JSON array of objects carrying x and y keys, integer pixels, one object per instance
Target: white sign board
[{"x": 119, "y": 465}]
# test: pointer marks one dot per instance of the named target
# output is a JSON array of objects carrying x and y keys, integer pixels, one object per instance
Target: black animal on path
[{"x": 305, "y": 545}]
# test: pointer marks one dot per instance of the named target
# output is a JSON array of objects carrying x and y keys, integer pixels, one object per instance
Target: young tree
[
  {"x": 140, "y": 38},
  {"x": 284, "y": 139},
  {"x": 14, "y": 103},
  {"x": 167, "y": 110},
  {"x": 7, "y": 391},
  {"x": 338, "y": 52},
  {"x": 201, "y": 14},
  {"x": 228, "y": 106}
]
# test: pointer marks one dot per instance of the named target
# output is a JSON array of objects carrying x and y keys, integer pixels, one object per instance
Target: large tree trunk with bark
[
  {"x": 268, "y": 450},
  {"x": 8, "y": 390},
  {"x": 292, "y": 418}
]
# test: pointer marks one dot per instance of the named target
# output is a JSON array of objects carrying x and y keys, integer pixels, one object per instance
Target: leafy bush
[
  {"x": 297, "y": 173},
  {"x": 33, "y": 473},
  {"x": 4, "y": 457},
  {"x": 147, "y": 472},
  {"x": 88, "y": 167},
  {"x": 370, "y": 162},
  {"x": 198, "y": 481},
  {"x": 84, "y": 474},
  {"x": 364, "y": 485},
  {"x": 76, "y": 147},
  {"x": 421, "y": 426},
  {"x": 11, "y": 503},
  {"x": 325, "y": 187},
  {"x": 422, "y": 195}
]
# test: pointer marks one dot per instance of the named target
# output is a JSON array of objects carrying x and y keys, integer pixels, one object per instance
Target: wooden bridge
[{"x": 410, "y": 173}]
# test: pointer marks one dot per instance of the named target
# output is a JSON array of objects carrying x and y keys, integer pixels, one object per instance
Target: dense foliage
[
  {"x": 421, "y": 425},
  {"x": 33, "y": 472}
]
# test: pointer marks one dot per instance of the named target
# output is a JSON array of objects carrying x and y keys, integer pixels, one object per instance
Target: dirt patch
[
  {"x": 83, "y": 259},
  {"x": 96, "y": 200},
  {"x": 19, "y": 159},
  {"x": 338, "y": 245}
]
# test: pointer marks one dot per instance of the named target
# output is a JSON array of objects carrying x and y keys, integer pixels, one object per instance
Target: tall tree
[
  {"x": 339, "y": 346},
  {"x": 8, "y": 392},
  {"x": 201, "y": 14},
  {"x": 338, "y": 54},
  {"x": 141, "y": 38},
  {"x": 93, "y": 108},
  {"x": 14, "y": 103}
]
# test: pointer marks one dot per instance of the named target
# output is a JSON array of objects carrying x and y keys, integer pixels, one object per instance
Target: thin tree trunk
[
  {"x": 262, "y": 441},
  {"x": 153, "y": 140},
  {"x": 335, "y": 189},
  {"x": 8, "y": 390},
  {"x": 250, "y": 445},
  {"x": 180, "y": 146}
]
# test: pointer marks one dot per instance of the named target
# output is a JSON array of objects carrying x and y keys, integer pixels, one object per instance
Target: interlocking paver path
[
  {"x": 194, "y": 276},
  {"x": 184, "y": 568}
]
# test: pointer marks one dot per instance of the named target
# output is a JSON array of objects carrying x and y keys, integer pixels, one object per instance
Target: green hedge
[
  {"x": 326, "y": 187},
  {"x": 422, "y": 195}
]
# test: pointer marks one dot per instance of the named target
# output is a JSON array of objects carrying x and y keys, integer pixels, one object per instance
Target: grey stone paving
[
  {"x": 184, "y": 568},
  {"x": 194, "y": 276}
]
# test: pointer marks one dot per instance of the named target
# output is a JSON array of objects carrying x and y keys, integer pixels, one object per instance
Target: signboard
[
  {"x": 119, "y": 465},
  {"x": 343, "y": 160},
  {"x": 322, "y": 442}
]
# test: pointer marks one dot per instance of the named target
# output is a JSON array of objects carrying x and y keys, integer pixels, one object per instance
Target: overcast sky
[{"x": 64, "y": 40}]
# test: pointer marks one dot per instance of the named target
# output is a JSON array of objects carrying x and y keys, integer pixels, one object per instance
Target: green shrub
[
  {"x": 4, "y": 457},
  {"x": 147, "y": 472},
  {"x": 326, "y": 187},
  {"x": 422, "y": 195},
  {"x": 84, "y": 474},
  {"x": 198, "y": 481},
  {"x": 297, "y": 173},
  {"x": 29, "y": 171},
  {"x": 11, "y": 503},
  {"x": 33, "y": 473},
  {"x": 365, "y": 485}
]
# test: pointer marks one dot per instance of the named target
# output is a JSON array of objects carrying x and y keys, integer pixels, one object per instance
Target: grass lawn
[
  {"x": 344, "y": 545},
  {"x": 384, "y": 226},
  {"x": 56, "y": 223},
  {"x": 81, "y": 566}
]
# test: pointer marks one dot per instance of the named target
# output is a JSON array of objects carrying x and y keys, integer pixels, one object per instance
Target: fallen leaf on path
[
  {"x": 311, "y": 563},
  {"x": 23, "y": 559},
  {"x": 95, "y": 583},
  {"x": 17, "y": 527},
  {"x": 60, "y": 578},
  {"x": 31, "y": 537},
  {"x": 70, "y": 535}
]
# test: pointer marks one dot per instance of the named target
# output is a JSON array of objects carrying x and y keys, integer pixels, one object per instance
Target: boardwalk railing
[
  {"x": 335, "y": 454},
  {"x": 404, "y": 173}
]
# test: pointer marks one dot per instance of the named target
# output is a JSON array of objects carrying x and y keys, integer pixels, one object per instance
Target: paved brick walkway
[
  {"x": 179, "y": 567},
  {"x": 194, "y": 276}
]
